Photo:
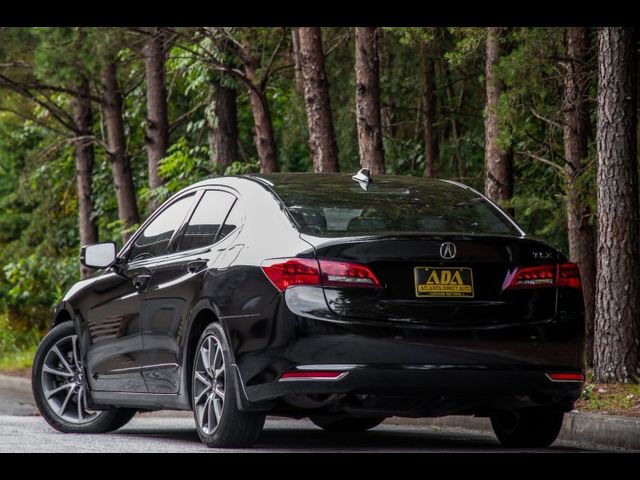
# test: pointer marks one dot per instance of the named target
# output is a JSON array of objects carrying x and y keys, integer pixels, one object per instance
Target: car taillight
[
  {"x": 528, "y": 277},
  {"x": 343, "y": 274},
  {"x": 285, "y": 273},
  {"x": 569, "y": 275},
  {"x": 556, "y": 275}
]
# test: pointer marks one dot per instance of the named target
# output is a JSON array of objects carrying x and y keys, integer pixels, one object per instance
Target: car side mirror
[{"x": 98, "y": 255}]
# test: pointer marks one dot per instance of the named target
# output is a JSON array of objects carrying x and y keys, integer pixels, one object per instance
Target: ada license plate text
[{"x": 443, "y": 282}]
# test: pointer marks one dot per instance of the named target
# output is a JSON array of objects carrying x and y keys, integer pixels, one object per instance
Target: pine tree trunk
[
  {"x": 576, "y": 141},
  {"x": 368, "y": 100},
  {"x": 431, "y": 147},
  {"x": 264, "y": 137},
  {"x": 387, "y": 108},
  {"x": 157, "y": 125},
  {"x": 455, "y": 126},
  {"x": 616, "y": 345},
  {"x": 223, "y": 127},
  {"x": 116, "y": 143},
  {"x": 498, "y": 185},
  {"x": 84, "y": 156},
  {"x": 297, "y": 60},
  {"x": 322, "y": 139}
]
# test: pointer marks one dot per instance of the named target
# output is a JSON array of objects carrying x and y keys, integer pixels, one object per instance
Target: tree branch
[
  {"x": 17, "y": 64},
  {"x": 35, "y": 120},
  {"x": 53, "y": 109},
  {"x": 559, "y": 168},
  {"x": 546, "y": 120},
  {"x": 272, "y": 59},
  {"x": 176, "y": 123},
  {"x": 343, "y": 38}
]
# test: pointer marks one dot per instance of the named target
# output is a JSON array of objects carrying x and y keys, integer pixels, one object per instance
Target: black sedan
[{"x": 345, "y": 299}]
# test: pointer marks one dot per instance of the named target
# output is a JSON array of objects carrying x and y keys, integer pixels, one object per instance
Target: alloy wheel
[
  {"x": 209, "y": 384},
  {"x": 63, "y": 382}
]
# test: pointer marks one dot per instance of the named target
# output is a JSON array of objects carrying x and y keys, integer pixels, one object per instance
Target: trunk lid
[{"x": 420, "y": 286}]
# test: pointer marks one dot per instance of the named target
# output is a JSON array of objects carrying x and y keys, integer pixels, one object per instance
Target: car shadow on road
[{"x": 277, "y": 438}]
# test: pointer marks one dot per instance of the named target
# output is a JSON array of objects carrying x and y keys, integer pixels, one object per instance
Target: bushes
[{"x": 17, "y": 347}]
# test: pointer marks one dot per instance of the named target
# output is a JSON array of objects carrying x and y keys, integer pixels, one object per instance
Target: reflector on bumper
[
  {"x": 566, "y": 377},
  {"x": 311, "y": 375}
]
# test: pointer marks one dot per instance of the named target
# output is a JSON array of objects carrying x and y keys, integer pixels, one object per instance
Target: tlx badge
[{"x": 447, "y": 250}]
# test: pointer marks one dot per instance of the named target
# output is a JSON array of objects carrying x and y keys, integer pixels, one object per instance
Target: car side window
[
  {"x": 206, "y": 220},
  {"x": 154, "y": 239},
  {"x": 232, "y": 222}
]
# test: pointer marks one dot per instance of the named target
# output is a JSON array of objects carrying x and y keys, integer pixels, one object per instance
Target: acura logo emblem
[{"x": 447, "y": 250}]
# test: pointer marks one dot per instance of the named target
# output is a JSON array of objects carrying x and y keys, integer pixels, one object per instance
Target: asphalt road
[{"x": 21, "y": 430}]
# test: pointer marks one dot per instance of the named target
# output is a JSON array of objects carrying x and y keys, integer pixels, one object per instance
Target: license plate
[{"x": 443, "y": 282}]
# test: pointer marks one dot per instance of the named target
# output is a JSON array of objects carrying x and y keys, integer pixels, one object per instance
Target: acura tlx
[{"x": 342, "y": 299}]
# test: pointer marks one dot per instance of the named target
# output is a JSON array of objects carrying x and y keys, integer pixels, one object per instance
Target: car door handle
[
  {"x": 140, "y": 281},
  {"x": 196, "y": 266}
]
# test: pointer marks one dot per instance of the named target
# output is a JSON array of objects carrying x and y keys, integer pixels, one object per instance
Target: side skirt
[{"x": 144, "y": 401}]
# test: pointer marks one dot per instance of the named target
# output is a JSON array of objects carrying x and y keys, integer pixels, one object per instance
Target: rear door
[{"x": 177, "y": 283}]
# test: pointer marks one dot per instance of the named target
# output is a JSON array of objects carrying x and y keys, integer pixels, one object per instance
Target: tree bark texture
[
  {"x": 431, "y": 146},
  {"x": 264, "y": 137},
  {"x": 368, "y": 101},
  {"x": 157, "y": 125},
  {"x": 223, "y": 126},
  {"x": 498, "y": 185},
  {"x": 616, "y": 349},
  {"x": 297, "y": 60},
  {"x": 576, "y": 141},
  {"x": 84, "y": 157},
  {"x": 116, "y": 144},
  {"x": 322, "y": 139}
]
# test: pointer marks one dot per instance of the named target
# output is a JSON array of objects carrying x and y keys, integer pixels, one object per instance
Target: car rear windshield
[{"x": 332, "y": 207}]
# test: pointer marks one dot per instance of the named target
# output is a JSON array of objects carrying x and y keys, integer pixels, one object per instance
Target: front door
[
  {"x": 115, "y": 356},
  {"x": 112, "y": 332}
]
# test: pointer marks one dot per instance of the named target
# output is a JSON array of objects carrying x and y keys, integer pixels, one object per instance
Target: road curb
[
  {"x": 586, "y": 428},
  {"x": 17, "y": 383}
]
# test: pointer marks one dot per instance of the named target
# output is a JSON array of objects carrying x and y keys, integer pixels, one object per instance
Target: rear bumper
[
  {"x": 432, "y": 389},
  {"x": 492, "y": 364}
]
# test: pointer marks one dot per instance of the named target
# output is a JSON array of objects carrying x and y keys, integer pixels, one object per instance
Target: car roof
[{"x": 306, "y": 179}]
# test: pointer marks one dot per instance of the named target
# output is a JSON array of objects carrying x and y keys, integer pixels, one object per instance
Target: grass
[
  {"x": 18, "y": 361},
  {"x": 610, "y": 399},
  {"x": 17, "y": 347}
]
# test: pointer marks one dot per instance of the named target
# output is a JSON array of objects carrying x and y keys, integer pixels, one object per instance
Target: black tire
[
  {"x": 96, "y": 422},
  {"x": 527, "y": 428},
  {"x": 346, "y": 424},
  {"x": 234, "y": 428}
]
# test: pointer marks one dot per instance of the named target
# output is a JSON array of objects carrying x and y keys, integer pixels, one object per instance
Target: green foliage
[
  {"x": 38, "y": 280},
  {"x": 182, "y": 166},
  {"x": 242, "y": 168},
  {"x": 408, "y": 36},
  {"x": 17, "y": 347},
  {"x": 469, "y": 41},
  {"x": 38, "y": 202}
]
